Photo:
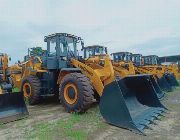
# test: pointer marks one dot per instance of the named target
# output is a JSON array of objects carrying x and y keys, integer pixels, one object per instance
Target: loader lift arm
[{"x": 99, "y": 77}]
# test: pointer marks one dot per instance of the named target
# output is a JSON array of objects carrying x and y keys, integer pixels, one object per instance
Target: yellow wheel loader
[
  {"x": 123, "y": 66},
  {"x": 168, "y": 75},
  {"x": 173, "y": 68},
  {"x": 149, "y": 65},
  {"x": 134, "y": 89},
  {"x": 153, "y": 60},
  {"x": 12, "y": 105},
  {"x": 60, "y": 71}
]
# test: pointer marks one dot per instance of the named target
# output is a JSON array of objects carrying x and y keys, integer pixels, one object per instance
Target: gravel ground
[{"x": 50, "y": 121}]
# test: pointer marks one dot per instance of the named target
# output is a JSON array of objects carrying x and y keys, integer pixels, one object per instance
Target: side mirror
[
  {"x": 106, "y": 51},
  {"x": 82, "y": 44},
  {"x": 9, "y": 58}
]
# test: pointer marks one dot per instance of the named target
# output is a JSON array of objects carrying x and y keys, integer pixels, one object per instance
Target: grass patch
[
  {"x": 162, "y": 118},
  {"x": 75, "y": 127},
  {"x": 179, "y": 85},
  {"x": 1, "y": 125},
  {"x": 15, "y": 89},
  {"x": 174, "y": 106}
]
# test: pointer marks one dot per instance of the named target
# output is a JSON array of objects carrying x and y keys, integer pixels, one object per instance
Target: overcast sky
[{"x": 138, "y": 26}]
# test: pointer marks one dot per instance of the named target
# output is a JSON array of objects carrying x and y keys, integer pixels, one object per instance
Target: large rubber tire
[
  {"x": 84, "y": 92},
  {"x": 35, "y": 85}
]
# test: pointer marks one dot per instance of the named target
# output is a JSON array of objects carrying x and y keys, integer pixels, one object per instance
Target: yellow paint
[
  {"x": 157, "y": 70},
  {"x": 173, "y": 68},
  {"x": 30, "y": 67},
  {"x": 123, "y": 68},
  {"x": 98, "y": 69},
  {"x": 1, "y": 92},
  {"x": 4, "y": 60},
  {"x": 91, "y": 74},
  {"x": 27, "y": 90},
  {"x": 66, "y": 93}
]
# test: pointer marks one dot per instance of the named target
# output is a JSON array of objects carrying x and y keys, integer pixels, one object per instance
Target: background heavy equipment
[
  {"x": 150, "y": 60},
  {"x": 60, "y": 71},
  {"x": 124, "y": 66},
  {"x": 12, "y": 105},
  {"x": 35, "y": 51},
  {"x": 151, "y": 64},
  {"x": 173, "y": 68},
  {"x": 137, "y": 59},
  {"x": 154, "y": 61},
  {"x": 124, "y": 56}
]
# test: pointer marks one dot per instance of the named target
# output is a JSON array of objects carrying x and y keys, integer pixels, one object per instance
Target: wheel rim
[
  {"x": 27, "y": 90},
  {"x": 1, "y": 92},
  {"x": 70, "y": 93}
]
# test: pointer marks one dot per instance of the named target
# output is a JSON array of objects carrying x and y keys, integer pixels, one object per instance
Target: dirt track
[{"x": 50, "y": 121}]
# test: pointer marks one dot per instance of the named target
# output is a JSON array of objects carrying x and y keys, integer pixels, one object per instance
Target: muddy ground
[{"x": 50, "y": 121}]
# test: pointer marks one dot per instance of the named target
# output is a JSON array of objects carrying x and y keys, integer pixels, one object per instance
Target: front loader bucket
[
  {"x": 159, "y": 92},
  {"x": 171, "y": 79},
  {"x": 164, "y": 85},
  {"x": 12, "y": 107},
  {"x": 130, "y": 104}
]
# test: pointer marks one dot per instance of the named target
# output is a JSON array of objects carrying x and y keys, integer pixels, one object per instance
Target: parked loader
[
  {"x": 154, "y": 60},
  {"x": 149, "y": 65},
  {"x": 12, "y": 105},
  {"x": 173, "y": 68},
  {"x": 62, "y": 72},
  {"x": 134, "y": 88},
  {"x": 124, "y": 66},
  {"x": 152, "y": 64}
]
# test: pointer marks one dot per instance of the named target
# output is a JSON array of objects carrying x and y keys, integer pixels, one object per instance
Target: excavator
[
  {"x": 12, "y": 105},
  {"x": 63, "y": 73}
]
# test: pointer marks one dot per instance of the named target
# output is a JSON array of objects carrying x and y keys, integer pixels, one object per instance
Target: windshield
[
  {"x": 127, "y": 57},
  {"x": 154, "y": 61},
  {"x": 100, "y": 51},
  {"x": 94, "y": 51},
  {"x": 0, "y": 62},
  {"x": 62, "y": 45},
  {"x": 136, "y": 58}
]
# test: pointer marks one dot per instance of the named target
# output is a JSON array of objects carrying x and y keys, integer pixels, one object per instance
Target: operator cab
[
  {"x": 1, "y": 61},
  {"x": 61, "y": 47},
  {"x": 137, "y": 59},
  {"x": 4, "y": 59},
  {"x": 95, "y": 50},
  {"x": 122, "y": 56},
  {"x": 33, "y": 52},
  {"x": 151, "y": 60}
]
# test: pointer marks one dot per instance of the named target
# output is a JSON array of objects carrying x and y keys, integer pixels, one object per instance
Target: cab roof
[
  {"x": 151, "y": 56},
  {"x": 52, "y": 36},
  {"x": 120, "y": 53},
  {"x": 95, "y": 46}
]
